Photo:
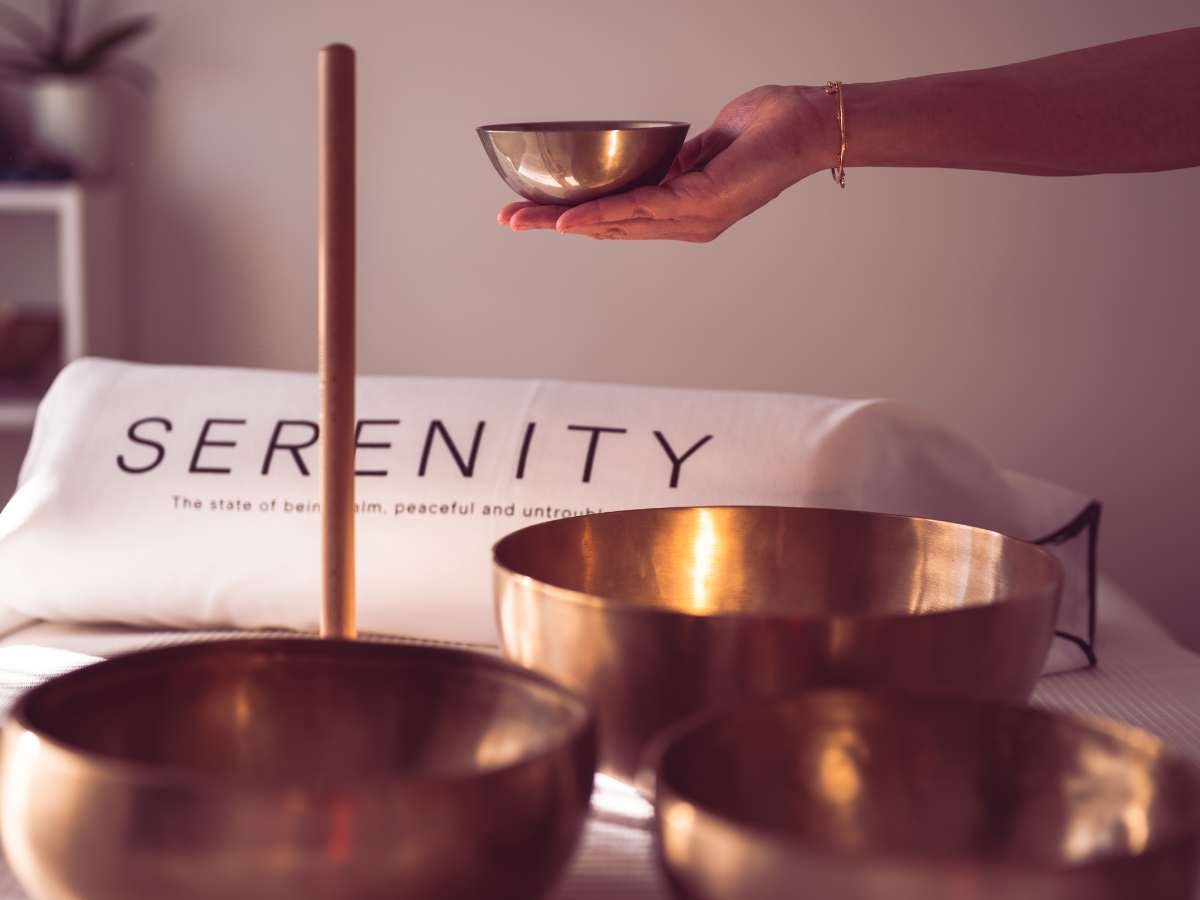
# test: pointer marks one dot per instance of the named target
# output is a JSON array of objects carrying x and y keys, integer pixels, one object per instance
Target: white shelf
[{"x": 86, "y": 269}]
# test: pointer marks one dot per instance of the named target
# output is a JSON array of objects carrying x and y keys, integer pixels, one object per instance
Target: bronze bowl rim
[
  {"x": 650, "y": 779},
  {"x": 159, "y": 775},
  {"x": 580, "y": 126},
  {"x": 556, "y": 592}
]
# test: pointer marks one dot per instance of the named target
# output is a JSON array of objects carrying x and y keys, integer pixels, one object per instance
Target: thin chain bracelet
[{"x": 839, "y": 174}]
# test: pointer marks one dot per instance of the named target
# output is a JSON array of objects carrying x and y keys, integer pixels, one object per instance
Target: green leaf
[
  {"x": 62, "y": 23},
  {"x": 21, "y": 26},
  {"x": 94, "y": 55},
  {"x": 26, "y": 67}
]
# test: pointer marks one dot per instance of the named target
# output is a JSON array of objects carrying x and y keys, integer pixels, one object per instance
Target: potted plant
[{"x": 70, "y": 106}]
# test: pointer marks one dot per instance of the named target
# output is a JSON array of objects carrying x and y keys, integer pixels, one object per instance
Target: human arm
[{"x": 1131, "y": 106}]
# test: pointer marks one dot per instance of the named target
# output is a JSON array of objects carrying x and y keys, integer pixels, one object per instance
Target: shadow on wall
[
  {"x": 175, "y": 280},
  {"x": 169, "y": 254}
]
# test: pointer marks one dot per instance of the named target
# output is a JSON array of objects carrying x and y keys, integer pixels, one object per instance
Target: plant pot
[{"x": 72, "y": 121}]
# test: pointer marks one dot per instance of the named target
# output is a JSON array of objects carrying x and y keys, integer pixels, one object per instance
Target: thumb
[{"x": 700, "y": 151}]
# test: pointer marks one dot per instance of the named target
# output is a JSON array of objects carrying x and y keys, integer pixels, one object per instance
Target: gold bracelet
[{"x": 839, "y": 174}]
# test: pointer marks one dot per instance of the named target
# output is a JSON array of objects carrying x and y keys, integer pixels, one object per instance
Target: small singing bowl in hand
[
  {"x": 568, "y": 163},
  {"x": 842, "y": 795},
  {"x": 312, "y": 770}
]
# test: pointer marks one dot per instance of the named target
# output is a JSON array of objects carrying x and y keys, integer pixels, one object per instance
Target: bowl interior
[
  {"x": 778, "y": 561},
  {"x": 850, "y": 772},
  {"x": 302, "y": 711}
]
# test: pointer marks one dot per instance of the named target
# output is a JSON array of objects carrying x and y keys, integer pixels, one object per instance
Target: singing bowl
[
  {"x": 567, "y": 163},
  {"x": 294, "y": 768},
  {"x": 840, "y": 794},
  {"x": 656, "y": 613}
]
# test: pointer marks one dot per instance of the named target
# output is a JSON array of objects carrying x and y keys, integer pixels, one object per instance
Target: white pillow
[{"x": 186, "y": 496}]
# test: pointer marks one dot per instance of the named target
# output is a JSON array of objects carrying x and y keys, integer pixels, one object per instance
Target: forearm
[{"x": 1132, "y": 106}]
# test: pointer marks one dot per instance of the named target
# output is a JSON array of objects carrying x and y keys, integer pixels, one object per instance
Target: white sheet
[
  {"x": 185, "y": 497},
  {"x": 1144, "y": 678}
]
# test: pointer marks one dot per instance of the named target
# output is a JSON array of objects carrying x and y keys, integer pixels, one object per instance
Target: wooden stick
[{"x": 336, "y": 347}]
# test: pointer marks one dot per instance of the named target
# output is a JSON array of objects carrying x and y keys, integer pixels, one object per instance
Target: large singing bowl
[
  {"x": 567, "y": 163},
  {"x": 247, "y": 770},
  {"x": 656, "y": 613},
  {"x": 839, "y": 795}
]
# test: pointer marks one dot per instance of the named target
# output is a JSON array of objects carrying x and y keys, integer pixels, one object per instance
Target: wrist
[{"x": 818, "y": 125}]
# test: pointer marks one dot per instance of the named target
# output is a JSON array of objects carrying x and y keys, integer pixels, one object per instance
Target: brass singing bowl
[
  {"x": 656, "y": 613},
  {"x": 567, "y": 163},
  {"x": 294, "y": 768},
  {"x": 840, "y": 794}
]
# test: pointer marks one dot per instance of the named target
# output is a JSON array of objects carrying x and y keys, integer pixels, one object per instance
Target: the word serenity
[{"x": 291, "y": 438}]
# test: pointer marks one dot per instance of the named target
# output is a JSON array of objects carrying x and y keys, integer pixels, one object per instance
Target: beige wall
[{"x": 1053, "y": 320}]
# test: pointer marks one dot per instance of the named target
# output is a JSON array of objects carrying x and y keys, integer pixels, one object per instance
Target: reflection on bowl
[
  {"x": 871, "y": 795},
  {"x": 294, "y": 768},
  {"x": 567, "y": 163},
  {"x": 656, "y": 613}
]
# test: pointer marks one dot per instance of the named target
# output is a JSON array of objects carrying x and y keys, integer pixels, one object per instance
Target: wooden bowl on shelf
[{"x": 28, "y": 335}]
